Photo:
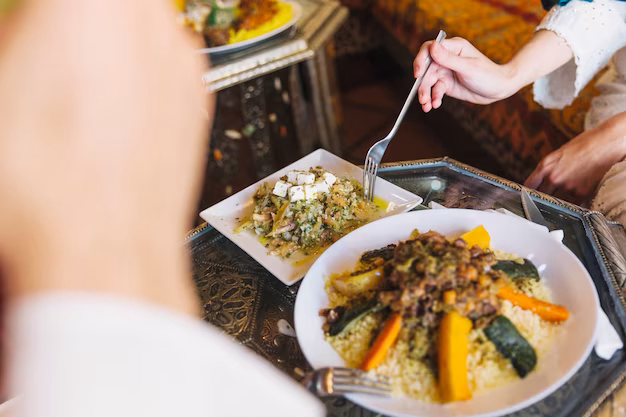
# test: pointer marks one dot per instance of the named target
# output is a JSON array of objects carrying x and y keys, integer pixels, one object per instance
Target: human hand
[
  {"x": 574, "y": 171},
  {"x": 102, "y": 141},
  {"x": 460, "y": 71}
]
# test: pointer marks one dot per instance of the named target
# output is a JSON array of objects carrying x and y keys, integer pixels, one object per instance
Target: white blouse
[
  {"x": 596, "y": 32},
  {"x": 83, "y": 354}
]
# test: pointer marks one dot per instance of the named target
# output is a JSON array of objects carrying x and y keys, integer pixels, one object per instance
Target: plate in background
[{"x": 296, "y": 12}]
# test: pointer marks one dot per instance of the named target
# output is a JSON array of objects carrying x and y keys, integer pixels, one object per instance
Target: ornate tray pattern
[{"x": 244, "y": 300}]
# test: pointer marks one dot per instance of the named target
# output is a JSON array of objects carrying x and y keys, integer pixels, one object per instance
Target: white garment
[
  {"x": 596, "y": 32},
  {"x": 79, "y": 354}
]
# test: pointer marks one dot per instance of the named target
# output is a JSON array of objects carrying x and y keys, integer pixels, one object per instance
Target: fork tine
[
  {"x": 339, "y": 389},
  {"x": 358, "y": 374},
  {"x": 366, "y": 179},
  {"x": 373, "y": 172},
  {"x": 339, "y": 381},
  {"x": 366, "y": 174},
  {"x": 355, "y": 380},
  {"x": 361, "y": 383},
  {"x": 370, "y": 171},
  {"x": 370, "y": 167},
  {"x": 362, "y": 377}
]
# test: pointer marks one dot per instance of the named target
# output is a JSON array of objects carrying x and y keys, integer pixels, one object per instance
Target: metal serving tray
[{"x": 244, "y": 300}]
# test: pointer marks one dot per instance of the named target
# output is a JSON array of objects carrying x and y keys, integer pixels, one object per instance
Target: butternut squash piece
[
  {"x": 477, "y": 237},
  {"x": 449, "y": 297},
  {"x": 356, "y": 283},
  {"x": 452, "y": 352},
  {"x": 180, "y": 5},
  {"x": 547, "y": 311},
  {"x": 386, "y": 338}
]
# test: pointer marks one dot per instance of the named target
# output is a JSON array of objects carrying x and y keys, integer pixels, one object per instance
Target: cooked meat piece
[
  {"x": 460, "y": 243},
  {"x": 447, "y": 285},
  {"x": 417, "y": 273},
  {"x": 216, "y": 37},
  {"x": 429, "y": 320},
  {"x": 432, "y": 237},
  {"x": 334, "y": 314},
  {"x": 404, "y": 251},
  {"x": 422, "y": 269},
  {"x": 385, "y": 253},
  {"x": 489, "y": 309},
  {"x": 253, "y": 13}
]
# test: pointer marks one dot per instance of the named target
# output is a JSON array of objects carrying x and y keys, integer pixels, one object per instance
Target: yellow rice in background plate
[
  {"x": 283, "y": 16},
  {"x": 487, "y": 368}
]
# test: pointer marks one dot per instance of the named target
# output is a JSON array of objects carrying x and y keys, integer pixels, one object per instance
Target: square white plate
[{"x": 226, "y": 215}]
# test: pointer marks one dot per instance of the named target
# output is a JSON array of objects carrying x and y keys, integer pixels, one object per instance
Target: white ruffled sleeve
[{"x": 594, "y": 31}]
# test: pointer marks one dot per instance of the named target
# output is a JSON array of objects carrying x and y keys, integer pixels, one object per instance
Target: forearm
[
  {"x": 543, "y": 54},
  {"x": 615, "y": 128}
]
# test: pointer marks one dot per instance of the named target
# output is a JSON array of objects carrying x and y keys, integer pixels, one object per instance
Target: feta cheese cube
[
  {"x": 281, "y": 188},
  {"x": 310, "y": 192},
  {"x": 329, "y": 178},
  {"x": 296, "y": 193},
  {"x": 306, "y": 178},
  {"x": 322, "y": 186},
  {"x": 292, "y": 177}
]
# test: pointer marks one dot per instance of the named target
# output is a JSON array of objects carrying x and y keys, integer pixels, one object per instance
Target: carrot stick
[
  {"x": 383, "y": 342},
  {"x": 547, "y": 311}
]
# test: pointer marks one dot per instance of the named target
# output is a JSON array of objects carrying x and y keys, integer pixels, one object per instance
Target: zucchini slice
[
  {"x": 352, "y": 316},
  {"x": 512, "y": 345},
  {"x": 517, "y": 270}
]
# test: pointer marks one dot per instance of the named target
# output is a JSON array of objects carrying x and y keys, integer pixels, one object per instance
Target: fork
[
  {"x": 376, "y": 152},
  {"x": 326, "y": 382}
]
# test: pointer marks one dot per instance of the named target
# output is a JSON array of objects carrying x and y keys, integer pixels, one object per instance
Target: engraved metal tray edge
[
  {"x": 197, "y": 231},
  {"x": 615, "y": 266}
]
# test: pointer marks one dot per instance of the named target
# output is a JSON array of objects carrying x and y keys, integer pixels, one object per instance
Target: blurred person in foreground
[
  {"x": 102, "y": 138},
  {"x": 573, "y": 43}
]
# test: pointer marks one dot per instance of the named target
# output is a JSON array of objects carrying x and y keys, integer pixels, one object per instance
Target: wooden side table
[{"x": 275, "y": 102}]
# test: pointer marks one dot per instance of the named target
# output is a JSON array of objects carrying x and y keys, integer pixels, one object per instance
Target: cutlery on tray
[
  {"x": 532, "y": 211},
  {"x": 326, "y": 382}
]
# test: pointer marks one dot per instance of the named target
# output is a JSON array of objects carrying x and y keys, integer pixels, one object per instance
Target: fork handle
[{"x": 441, "y": 36}]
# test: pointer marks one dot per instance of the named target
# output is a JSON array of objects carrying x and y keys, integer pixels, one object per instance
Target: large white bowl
[{"x": 565, "y": 275}]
